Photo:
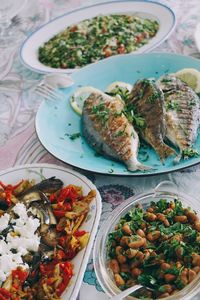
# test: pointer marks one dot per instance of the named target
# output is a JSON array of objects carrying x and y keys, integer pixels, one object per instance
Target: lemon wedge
[
  {"x": 82, "y": 93},
  {"x": 119, "y": 84},
  {"x": 191, "y": 77}
]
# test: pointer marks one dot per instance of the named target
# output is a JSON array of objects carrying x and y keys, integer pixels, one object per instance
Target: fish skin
[
  {"x": 148, "y": 100},
  {"x": 112, "y": 136},
  {"x": 182, "y": 121}
]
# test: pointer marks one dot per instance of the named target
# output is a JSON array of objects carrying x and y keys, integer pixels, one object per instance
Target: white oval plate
[
  {"x": 163, "y": 14},
  {"x": 38, "y": 172}
]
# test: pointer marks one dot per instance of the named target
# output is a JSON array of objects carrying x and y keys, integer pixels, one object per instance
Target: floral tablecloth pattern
[{"x": 19, "y": 143}]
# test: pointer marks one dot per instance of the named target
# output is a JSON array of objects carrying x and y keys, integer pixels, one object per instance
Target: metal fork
[
  {"x": 48, "y": 87},
  {"x": 48, "y": 92},
  {"x": 128, "y": 291}
]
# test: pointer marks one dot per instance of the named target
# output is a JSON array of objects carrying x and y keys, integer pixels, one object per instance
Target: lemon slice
[
  {"x": 191, "y": 77},
  {"x": 78, "y": 98},
  {"x": 119, "y": 84}
]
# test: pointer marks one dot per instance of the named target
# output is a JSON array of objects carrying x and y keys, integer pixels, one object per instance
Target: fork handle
[{"x": 127, "y": 292}]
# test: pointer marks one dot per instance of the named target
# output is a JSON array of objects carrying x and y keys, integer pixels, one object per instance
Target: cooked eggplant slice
[
  {"x": 49, "y": 185},
  {"x": 3, "y": 205},
  {"x": 49, "y": 237}
]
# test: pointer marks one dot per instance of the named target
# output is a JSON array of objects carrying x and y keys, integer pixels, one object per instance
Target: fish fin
[
  {"x": 136, "y": 165},
  {"x": 164, "y": 151},
  {"x": 177, "y": 158}
]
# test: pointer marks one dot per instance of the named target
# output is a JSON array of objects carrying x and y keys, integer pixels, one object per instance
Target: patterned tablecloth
[{"x": 20, "y": 145}]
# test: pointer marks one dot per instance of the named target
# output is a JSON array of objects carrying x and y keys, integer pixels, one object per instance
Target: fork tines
[{"x": 48, "y": 92}]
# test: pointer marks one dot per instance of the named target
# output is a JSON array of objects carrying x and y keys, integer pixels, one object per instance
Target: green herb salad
[
  {"x": 97, "y": 38},
  {"x": 157, "y": 247}
]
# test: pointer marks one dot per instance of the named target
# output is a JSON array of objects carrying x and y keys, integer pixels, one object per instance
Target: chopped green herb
[
  {"x": 101, "y": 112},
  {"x": 123, "y": 92},
  {"x": 166, "y": 80},
  {"x": 147, "y": 280},
  {"x": 189, "y": 152},
  {"x": 155, "y": 96},
  {"x": 173, "y": 105},
  {"x": 74, "y": 136}
]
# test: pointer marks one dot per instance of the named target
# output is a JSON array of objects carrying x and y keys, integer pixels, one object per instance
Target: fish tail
[
  {"x": 177, "y": 158},
  {"x": 134, "y": 165},
  {"x": 165, "y": 151}
]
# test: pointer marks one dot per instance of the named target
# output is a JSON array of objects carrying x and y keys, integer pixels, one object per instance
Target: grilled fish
[
  {"x": 147, "y": 100},
  {"x": 182, "y": 111},
  {"x": 108, "y": 131}
]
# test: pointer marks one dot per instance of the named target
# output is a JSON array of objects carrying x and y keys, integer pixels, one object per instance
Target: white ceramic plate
[
  {"x": 38, "y": 172},
  {"x": 163, "y": 14}
]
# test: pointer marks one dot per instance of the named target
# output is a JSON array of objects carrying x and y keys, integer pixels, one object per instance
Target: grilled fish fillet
[
  {"x": 109, "y": 132},
  {"x": 182, "y": 111},
  {"x": 148, "y": 102}
]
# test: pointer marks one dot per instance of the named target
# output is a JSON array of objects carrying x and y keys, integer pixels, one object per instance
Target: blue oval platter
[{"x": 57, "y": 122}]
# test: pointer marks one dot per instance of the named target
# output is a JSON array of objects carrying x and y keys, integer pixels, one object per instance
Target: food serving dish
[
  {"x": 152, "y": 10},
  {"x": 62, "y": 136},
  {"x": 39, "y": 172},
  {"x": 165, "y": 190}
]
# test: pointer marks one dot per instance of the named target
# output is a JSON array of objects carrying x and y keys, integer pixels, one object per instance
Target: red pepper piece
[
  {"x": 59, "y": 213},
  {"x": 20, "y": 274},
  {"x": 67, "y": 272},
  {"x": 61, "y": 255},
  {"x": 79, "y": 233},
  {"x": 52, "y": 197},
  {"x": 8, "y": 189},
  {"x": 70, "y": 254},
  {"x": 3, "y": 298},
  {"x": 67, "y": 193},
  {"x": 62, "y": 241},
  {"x": 5, "y": 293},
  {"x": 46, "y": 269}
]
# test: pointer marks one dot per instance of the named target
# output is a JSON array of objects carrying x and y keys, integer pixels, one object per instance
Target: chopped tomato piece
[{"x": 121, "y": 49}]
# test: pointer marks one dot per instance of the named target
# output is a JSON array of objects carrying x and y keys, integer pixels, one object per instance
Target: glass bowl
[{"x": 166, "y": 190}]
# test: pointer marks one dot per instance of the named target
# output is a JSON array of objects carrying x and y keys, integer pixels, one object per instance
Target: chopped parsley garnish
[
  {"x": 101, "y": 112},
  {"x": 189, "y": 152},
  {"x": 155, "y": 96},
  {"x": 123, "y": 92},
  {"x": 173, "y": 105},
  {"x": 74, "y": 136},
  {"x": 166, "y": 80}
]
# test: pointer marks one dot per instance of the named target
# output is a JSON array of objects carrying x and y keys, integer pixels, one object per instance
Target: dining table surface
[{"x": 20, "y": 145}]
